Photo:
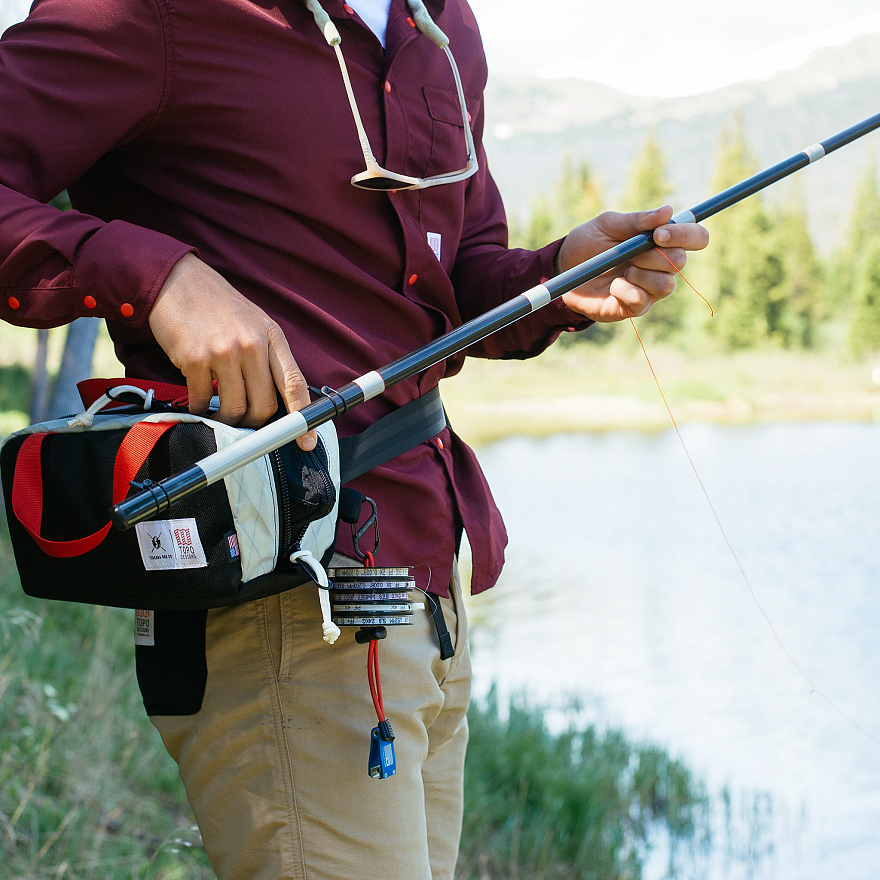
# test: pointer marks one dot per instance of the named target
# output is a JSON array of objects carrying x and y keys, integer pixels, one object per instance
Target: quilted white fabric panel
[{"x": 254, "y": 503}]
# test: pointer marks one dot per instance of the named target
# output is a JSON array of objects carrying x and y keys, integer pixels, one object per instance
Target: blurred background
[{"x": 645, "y": 708}]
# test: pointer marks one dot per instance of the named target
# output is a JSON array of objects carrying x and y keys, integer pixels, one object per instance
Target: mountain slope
[{"x": 533, "y": 124}]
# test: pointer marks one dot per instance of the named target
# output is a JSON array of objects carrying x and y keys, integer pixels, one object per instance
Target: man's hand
[
  {"x": 630, "y": 289},
  {"x": 210, "y": 331}
]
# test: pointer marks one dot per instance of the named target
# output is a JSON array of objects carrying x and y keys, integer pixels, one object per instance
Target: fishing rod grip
[{"x": 598, "y": 265}]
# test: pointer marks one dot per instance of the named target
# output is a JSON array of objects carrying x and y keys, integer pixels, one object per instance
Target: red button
[
  {"x": 126, "y": 310},
  {"x": 412, "y": 279},
  {"x": 410, "y": 22},
  {"x": 387, "y": 86},
  {"x": 13, "y": 303},
  {"x": 439, "y": 443},
  {"x": 348, "y": 9},
  {"x": 89, "y": 302}
]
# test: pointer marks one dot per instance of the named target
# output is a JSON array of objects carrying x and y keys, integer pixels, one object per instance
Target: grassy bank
[
  {"x": 581, "y": 804},
  {"x": 580, "y": 387},
  {"x": 586, "y": 388},
  {"x": 87, "y": 791}
]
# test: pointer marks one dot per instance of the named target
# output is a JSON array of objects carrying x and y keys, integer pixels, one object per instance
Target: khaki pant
[{"x": 275, "y": 762}]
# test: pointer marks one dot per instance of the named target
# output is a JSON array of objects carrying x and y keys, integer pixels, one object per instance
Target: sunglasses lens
[{"x": 383, "y": 183}]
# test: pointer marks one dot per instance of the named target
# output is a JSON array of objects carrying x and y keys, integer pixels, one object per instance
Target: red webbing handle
[
  {"x": 27, "y": 485},
  {"x": 91, "y": 389}
]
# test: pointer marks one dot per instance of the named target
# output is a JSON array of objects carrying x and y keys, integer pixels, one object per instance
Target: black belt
[{"x": 419, "y": 420}]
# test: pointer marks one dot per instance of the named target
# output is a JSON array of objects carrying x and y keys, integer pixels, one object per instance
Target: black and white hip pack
[{"x": 266, "y": 528}]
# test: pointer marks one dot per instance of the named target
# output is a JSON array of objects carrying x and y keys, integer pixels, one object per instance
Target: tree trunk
[
  {"x": 40, "y": 379},
  {"x": 76, "y": 364}
]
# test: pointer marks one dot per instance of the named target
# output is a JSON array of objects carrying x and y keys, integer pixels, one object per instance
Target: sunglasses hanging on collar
[{"x": 375, "y": 176}]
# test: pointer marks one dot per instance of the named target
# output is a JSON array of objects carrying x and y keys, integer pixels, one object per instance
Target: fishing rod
[{"x": 161, "y": 495}]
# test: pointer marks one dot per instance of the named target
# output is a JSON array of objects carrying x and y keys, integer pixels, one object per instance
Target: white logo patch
[
  {"x": 170, "y": 544},
  {"x": 434, "y": 239},
  {"x": 144, "y": 627}
]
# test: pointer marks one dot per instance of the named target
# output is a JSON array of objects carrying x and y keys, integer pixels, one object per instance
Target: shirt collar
[{"x": 335, "y": 8}]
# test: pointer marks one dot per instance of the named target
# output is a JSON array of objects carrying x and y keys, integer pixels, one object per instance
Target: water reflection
[{"x": 620, "y": 589}]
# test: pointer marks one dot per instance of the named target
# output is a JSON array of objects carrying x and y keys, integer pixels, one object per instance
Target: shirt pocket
[{"x": 448, "y": 144}]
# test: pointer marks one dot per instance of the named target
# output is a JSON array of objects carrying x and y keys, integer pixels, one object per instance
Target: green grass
[
  {"x": 15, "y": 387},
  {"x": 581, "y": 804},
  {"x": 581, "y": 387},
  {"x": 86, "y": 788}
]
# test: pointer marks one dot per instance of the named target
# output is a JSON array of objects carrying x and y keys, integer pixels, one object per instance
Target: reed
[{"x": 577, "y": 804}]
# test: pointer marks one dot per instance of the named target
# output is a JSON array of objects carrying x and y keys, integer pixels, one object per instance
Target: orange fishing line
[
  {"x": 691, "y": 286},
  {"x": 812, "y": 685}
]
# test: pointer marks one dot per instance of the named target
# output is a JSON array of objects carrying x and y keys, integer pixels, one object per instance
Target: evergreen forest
[{"x": 765, "y": 277}]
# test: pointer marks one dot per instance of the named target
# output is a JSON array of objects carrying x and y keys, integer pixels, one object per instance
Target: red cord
[
  {"x": 373, "y": 660},
  {"x": 375, "y": 681}
]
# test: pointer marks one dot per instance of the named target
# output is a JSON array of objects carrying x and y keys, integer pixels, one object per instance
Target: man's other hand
[{"x": 632, "y": 288}]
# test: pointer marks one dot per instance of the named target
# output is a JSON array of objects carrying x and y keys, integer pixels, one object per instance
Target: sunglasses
[{"x": 376, "y": 177}]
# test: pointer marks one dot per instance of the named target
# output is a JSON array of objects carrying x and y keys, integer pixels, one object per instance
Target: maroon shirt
[{"x": 223, "y": 127}]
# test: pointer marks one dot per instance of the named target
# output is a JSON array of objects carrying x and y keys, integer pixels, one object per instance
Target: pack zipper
[
  {"x": 288, "y": 541},
  {"x": 284, "y": 532}
]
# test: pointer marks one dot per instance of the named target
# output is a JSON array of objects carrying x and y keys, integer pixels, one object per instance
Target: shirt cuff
[
  {"x": 121, "y": 268},
  {"x": 557, "y": 314}
]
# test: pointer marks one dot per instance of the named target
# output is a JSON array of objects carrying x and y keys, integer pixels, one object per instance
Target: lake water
[{"x": 620, "y": 591}]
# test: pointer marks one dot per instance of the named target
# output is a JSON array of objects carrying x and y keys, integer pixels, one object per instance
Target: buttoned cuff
[
  {"x": 120, "y": 270},
  {"x": 556, "y": 315}
]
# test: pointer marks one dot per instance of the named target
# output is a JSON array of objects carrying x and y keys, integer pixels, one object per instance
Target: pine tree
[
  {"x": 649, "y": 187},
  {"x": 540, "y": 228},
  {"x": 864, "y": 229},
  {"x": 575, "y": 199},
  {"x": 578, "y": 195},
  {"x": 864, "y": 335},
  {"x": 798, "y": 297},
  {"x": 746, "y": 274}
]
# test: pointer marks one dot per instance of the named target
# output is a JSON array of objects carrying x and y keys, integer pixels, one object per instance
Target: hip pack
[{"x": 268, "y": 527}]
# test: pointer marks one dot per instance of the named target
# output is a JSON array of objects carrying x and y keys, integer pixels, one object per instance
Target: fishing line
[
  {"x": 803, "y": 673},
  {"x": 433, "y": 601},
  {"x": 691, "y": 286},
  {"x": 430, "y": 574}
]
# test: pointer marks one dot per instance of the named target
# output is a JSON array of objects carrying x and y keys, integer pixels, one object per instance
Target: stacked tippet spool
[{"x": 372, "y": 596}]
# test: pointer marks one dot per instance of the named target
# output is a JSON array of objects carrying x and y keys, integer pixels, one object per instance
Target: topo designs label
[
  {"x": 144, "y": 627},
  {"x": 435, "y": 242},
  {"x": 167, "y": 544}
]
